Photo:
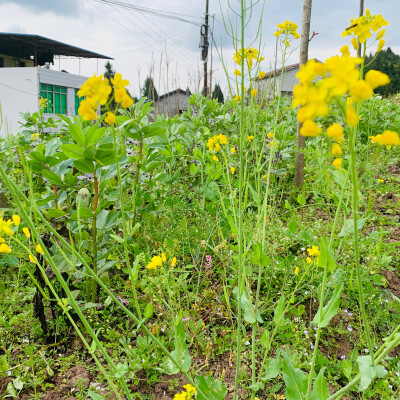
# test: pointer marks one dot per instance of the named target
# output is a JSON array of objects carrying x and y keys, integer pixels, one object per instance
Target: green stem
[
  {"x": 241, "y": 172},
  {"x": 94, "y": 235}
]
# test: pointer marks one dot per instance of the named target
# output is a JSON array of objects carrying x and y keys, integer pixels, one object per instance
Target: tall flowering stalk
[{"x": 339, "y": 80}]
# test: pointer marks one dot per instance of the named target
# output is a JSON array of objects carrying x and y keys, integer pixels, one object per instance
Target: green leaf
[
  {"x": 272, "y": 368},
  {"x": 148, "y": 311},
  {"x": 84, "y": 165},
  {"x": 295, "y": 380},
  {"x": 181, "y": 352},
  {"x": 326, "y": 257},
  {"x": 122, "y": 369},
  {"x": 340, "y": 175},
  {"x": 368, "y": 372},
  {"x": 38, "y": 156},
  {"x": 347, "y": 368},
  {"x": 247, "y": 307},
  {"x": 153, "y": 130},
  {"x": 93, "y": 135},
  {"x": 330, "y": 310},
  {"x": 279, "y": 313},
  {"x": 77, "y": 134},
  {"x": 72, "y": 150},
  {"x": 94, "y": 395},
  {"x": 320, "y": 391},
  {"x": 292, "y": 226},
  {"x": 212, "y": 388},
  {"x": 194, "y": 169},
  {"x": 53, "y": 178},
  {"x": 348, "y": 226},
  {"x": 301, "y": 200},
  {"x": 259, "y": 258},
  {"x": 266, "y": 340}
]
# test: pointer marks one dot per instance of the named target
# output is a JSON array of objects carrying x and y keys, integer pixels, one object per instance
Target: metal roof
[{"x": 40, "y": 48}]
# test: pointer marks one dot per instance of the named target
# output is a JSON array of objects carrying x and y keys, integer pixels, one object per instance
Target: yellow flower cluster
[
  {"x": 97, "y": 90},
  {"x": 43, "y": 102},
  {"x": 5, "y": 228},
  {"x": 215, "y": 142},
  {"x": 287, "y": 29},
  {"x": 387, "y": 138},
  {"x": 362, "y": 28},
  {"x": 338, "y": 76},
  {"x": 157, "y": 261},
  {"x": 250, "y": 55},
  {"x": 313, "y": 252},
  {"x": 189, "y": 393}
]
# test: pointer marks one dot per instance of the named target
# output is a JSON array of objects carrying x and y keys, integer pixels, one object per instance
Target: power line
[
  {"x": 159, "y": 13},
  {"x": 19, "y": 90}
]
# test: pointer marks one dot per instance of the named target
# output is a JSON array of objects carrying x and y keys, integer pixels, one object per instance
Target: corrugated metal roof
[{"x": 29, "y": 46}]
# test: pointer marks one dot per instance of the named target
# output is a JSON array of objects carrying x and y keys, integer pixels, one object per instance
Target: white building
[
  {"x": 24, "y": 79},
  {"x": 272, "y": 81},
  {"x": 172, "y": 103}
]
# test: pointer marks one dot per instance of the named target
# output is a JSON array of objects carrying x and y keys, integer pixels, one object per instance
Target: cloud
[{"x": 70, "y": 7}]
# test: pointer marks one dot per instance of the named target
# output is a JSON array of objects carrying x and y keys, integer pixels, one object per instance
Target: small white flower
[
  {"x": 247, "y": 343},
  {"x": 390, "y": 387},
  {"x": 8, "y": 373},
  {"x": 366, "y": 350},
  {"x": 303, "y": 249},
  {"x": 305, "y": 332},
  {"x": 343, "y": 357}
]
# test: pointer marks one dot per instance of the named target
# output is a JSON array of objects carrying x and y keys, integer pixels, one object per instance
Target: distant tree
[
  {"x": 109, "y": 72},
  {"x": 149, "y": 90},
  {"x": 388, "y": 62},
  {"x": 217, "y": 93}
]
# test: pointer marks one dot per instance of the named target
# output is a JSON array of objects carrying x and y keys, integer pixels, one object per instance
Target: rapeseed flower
[
  {"x": 387, "y": 138},
  {"x": 26, "y": 232},
  {"x": 336, "y": 150},
  {"x": 337, "y": 163},
  {"x": 314, "y": 251},
  {"x": 155, "y": 262},
  {"x": 16, "y": 219},
  {"x": 310, "y": 128},
  {"x": 287, "y": 29},
  {"x": 173, "y": 262},
  {"x": 5, "y": 226},
  {"x": 5, "y": 248},
  {"x": 261, "y": 74},
  {"x": 237, "y": 72},
  {"x": 39, "y": 249},
  {"x": 376, "y": 79},
  {"x": 215, "y": 142},
  {"x": 233, "y": 170},
  {"x": 110, "y": 118},
  {"x": 254, "y": 92},
  {"x": 335, "y": 131}
]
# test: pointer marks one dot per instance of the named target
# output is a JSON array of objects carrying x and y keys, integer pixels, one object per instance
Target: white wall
[
  {"x": 19, "y": 92},
  {"x": 288, "y": 83}
]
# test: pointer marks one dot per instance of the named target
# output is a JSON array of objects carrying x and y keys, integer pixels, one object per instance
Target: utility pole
[
  {"x": 211, "y": 55},
  {"x": 361, "y": 13},
  {"x": 204, "y": 49}
]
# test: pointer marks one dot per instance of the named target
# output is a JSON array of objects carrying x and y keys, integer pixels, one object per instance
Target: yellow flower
[
  {"x": 118, "y": 82},
  {"x": 254, "y": 92},
  {"x": 381, "y": 180},
  {"x": 360, "y": 90},
  {"x": 32, "y": 259},
  {"x": 261, "y": 74},
  {"x": 87, "y": 111},
  {"x": 173, "y": 262},
  {"x": 380, "y": 45},
  {"x": 354, "y": 42},
  {"x": 26, "y": 232},
  {"x": 387, "y": 138},
  {"x": 337, "y": 163},
  {"x": 39, "y": 249},
  {"x": 237, "y": 98},
  {"x": 310, "y": 128},
  {"x": 5, "y": 227},
  {"x": 127, "y": 101},
  {"x": 110, "y": 118},
  {"x": 345, "y": 50},
  {"x": 233, "y": 150},
  {"x": 43, "y": 102},
  {"x": 335, "y": 131},
  {"x": 35, "y": 136},
  {"x": 215, "y": 158},
  {"x": 214, "y": 143},
  {"x": 5, "y": 248},
  {"x": 336, "y": 150},
  {"x": 351, "y": 117},
  {"x": 16, "y": 219},
  {"x": 163, "y": 258},
  {"x": 309, "y": 261},
  {"x": 237, "y": 72},
  {"x": 151, "y": 265},
  {"x": 314, "y": 251},
  {"x": 233, "y": 170},
  {"x": 250, "y": 138},
  {"x": 376, "y": 78},
  {"x": 296, "y": 271},
  {"x": 381, "y": 34}
]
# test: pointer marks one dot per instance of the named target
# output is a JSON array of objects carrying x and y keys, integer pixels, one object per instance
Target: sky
[{"x": 145, "y": 43}]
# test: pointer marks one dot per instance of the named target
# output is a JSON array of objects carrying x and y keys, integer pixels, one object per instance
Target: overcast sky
[{"x": 140, "y": 42}]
